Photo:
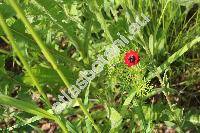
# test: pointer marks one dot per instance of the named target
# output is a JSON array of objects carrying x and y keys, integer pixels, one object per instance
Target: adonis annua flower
[{"x": 131, "y": 58}]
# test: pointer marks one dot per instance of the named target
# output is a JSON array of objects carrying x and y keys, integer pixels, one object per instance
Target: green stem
[
  {"x": 38, "y": 40},
  {"x": 26, "y": 66},
  {"x": 172, "y": 58},
  {"x": 76, "y": 41},
  {"x": 88, "y": 115},
  {"x": 96, "y": 9},
  {"x": 4, "y": 51},
  {"x": 161, "y": 16},
  {"x": 46, "y": 53},
  {"x": 4, "y": 39},
  {"x": 19, "y": 54},
  {"x": 62, "y": 125}
]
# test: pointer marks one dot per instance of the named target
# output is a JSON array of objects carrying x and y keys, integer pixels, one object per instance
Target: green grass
[{"x": 52, "y": 41}]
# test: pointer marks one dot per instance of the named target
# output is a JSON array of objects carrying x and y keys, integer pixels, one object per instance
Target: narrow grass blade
[
  {"x": 39, "y": 41},
  {"x": 25, "y": 106},
  {"x": 96, "y": 9},
  {"x": 58, "y": 20},
  {"x": 173, "y": 58},
  {"x": 30, "y": 108},
  {"x": 89, "y": 116},
  {"x": 26, "y": 122},
  {"x": 47, "y": 54},
  {"x": 26, "y": 66},
  {"x": 19, "y": 54}
]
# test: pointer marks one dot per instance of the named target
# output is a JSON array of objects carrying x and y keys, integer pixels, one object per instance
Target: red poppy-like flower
[{"x": 131, "y": 58}]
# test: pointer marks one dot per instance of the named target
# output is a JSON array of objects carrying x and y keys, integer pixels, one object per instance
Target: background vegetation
[{"x": 45, "y": 43}]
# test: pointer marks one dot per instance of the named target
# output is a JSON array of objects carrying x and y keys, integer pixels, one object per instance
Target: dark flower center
[{"x": 131, "y": 59}]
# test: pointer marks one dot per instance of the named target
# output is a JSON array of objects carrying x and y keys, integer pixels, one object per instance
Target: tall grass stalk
[
  {"x": 19, "y": 54},
  {"x": 39, "y": 41},
  {"x": 48, "y": 56},
  {"x": 26, "y": 66},
  {"x": 95, "y": 8},
  {"x": 30, "y": 108},
  {"x": 161, "y": 16},
  {"x": 173, "y": 58}
]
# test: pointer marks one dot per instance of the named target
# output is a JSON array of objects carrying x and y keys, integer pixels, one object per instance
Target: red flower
[{"x": 131, "y": 58}]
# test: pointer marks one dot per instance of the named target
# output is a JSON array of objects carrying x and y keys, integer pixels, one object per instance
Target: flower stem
[
  {"x": 19, "y": 54},
  {"x": 88, "y": 115},
  {"x": 26, "y": 66},
  {"x": 47, "y": 54}
]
